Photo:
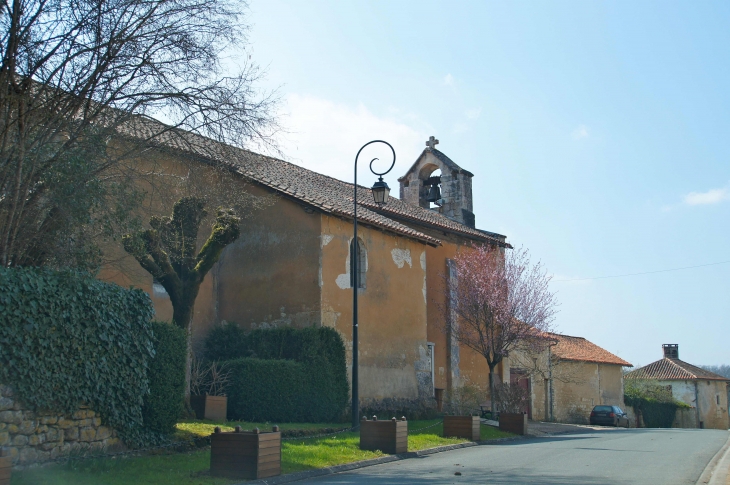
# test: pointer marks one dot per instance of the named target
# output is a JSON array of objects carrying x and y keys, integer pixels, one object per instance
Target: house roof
[
  {"x": 668, "y": 369},
  {"x": 580, "y": 349},
  {"x": 327, "y": 194}
]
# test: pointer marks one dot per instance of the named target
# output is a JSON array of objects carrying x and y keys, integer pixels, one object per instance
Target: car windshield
[{"x": 603, "y": 409}]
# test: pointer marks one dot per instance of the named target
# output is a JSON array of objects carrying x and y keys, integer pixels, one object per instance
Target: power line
[{"x": 645, "y": 272}]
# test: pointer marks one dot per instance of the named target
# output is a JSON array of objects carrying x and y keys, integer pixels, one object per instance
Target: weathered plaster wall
[
  {"x": 712, "y": 408},
  {"x": 584, "y": 385},
  {"x": 270, "y": 275},
  {"x": 454, "y": 365},
  {"x": 393, "y": 353}
]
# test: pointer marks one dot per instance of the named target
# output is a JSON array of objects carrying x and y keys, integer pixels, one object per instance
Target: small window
[
  {"x": 718, "y": 398},
  {"x": 358, "y": 253}
]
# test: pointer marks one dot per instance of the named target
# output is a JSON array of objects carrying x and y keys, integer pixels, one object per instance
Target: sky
[{"x": 598, "y": 134}]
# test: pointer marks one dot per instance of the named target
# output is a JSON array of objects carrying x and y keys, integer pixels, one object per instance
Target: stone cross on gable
[{"x": 432, "y": 142}]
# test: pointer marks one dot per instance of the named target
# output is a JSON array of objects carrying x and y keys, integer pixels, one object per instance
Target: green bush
[
  {"x": 267, "y": 390},
  {"x": 653, "y": 402},
  {"x": 321, "y": 387},
  {"x": 68, "y": 339},
  {"x": 164, "y": 404}
]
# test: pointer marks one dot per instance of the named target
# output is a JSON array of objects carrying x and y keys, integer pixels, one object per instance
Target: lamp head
[{"x": 380, "y": 192}]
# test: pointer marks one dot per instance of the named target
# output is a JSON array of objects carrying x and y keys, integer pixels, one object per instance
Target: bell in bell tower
[{"x": 435, "y": 182}]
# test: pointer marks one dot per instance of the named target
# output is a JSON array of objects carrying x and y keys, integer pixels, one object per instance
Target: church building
[{"x": 291, "y": 265}]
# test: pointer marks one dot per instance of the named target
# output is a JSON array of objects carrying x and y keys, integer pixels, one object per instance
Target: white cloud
[
  {"x": 580, "y": 132},
  {"x": 473, "y": 114},
  {"x": 448, "y": 80},
  {"x": 712, "y": 196},
  {"x": 325, "y": 136}
]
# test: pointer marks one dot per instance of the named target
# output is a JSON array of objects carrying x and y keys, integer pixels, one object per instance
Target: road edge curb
[
  {"x": 346, "y": 467},
  {"x": 719, "y": 463}
]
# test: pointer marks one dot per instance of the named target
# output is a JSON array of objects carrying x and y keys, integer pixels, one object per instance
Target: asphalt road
[{"x": 623, "y": 456}]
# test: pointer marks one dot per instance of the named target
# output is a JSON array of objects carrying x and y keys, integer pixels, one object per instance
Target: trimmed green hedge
[
  {"x": 283, "y": 374},
  {"x": 268, "y": 390},
  {"x": 68, "y": 339},
  {"x": 164, "y": 404}
]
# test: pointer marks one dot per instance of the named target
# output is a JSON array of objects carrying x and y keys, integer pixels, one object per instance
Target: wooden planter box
[
  {"x": 513, "y": 422},
  {"x": 245, "y": 454},
  {"x": 6, "y": 462},
  {"x": 210, "y": 407},
  {"x": 387, "y": 436},
  {"x": 468, "y": 427}
]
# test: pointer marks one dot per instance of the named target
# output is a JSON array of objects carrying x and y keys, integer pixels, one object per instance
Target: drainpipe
[
  {"x": 550, "y": 382},
  {"x": 697, "y": 405}
]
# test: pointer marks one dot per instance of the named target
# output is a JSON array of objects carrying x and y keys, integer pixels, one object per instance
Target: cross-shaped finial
[{"x": 432, "y": 142}]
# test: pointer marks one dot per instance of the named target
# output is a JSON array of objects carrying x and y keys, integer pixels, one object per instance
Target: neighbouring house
[
  {"x": 568, "y": 379},
  {"x": 291, "y": 264},
  {"x": 705, "y": 391}
]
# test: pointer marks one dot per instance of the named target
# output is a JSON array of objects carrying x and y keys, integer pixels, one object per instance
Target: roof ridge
[
  {"x": 564, "y": 335},
  {"x": 299, "y": 182}
]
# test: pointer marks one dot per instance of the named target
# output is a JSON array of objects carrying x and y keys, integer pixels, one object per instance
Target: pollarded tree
[
  {"x": 497, "y": 303},
  {"x": 169, "y": 252}
]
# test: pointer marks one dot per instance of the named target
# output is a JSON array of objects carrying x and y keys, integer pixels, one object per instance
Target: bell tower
[{"x": 448, "y": 193}]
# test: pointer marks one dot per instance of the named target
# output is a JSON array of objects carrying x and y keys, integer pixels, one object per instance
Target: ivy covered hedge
[
  {"x": 68, "y": 339},
  {"x": 653, "y": 402},
  {"x": 163, "y": 406},
  {"x": 283, "y": 374}
]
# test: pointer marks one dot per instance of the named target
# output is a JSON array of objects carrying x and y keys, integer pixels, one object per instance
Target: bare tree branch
[{"x": 75, "y": 75}]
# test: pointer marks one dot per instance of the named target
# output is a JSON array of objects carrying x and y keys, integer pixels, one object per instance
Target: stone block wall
[{"x": 35, "y": 438}]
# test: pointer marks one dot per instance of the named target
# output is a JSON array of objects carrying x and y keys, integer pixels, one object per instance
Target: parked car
[{"x": 609, "y": 416}]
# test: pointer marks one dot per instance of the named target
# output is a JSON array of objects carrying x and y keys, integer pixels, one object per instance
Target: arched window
[{"x": 359, "y": 254}]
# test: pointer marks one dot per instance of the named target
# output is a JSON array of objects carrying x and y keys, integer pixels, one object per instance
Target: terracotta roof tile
[
  {"x": 326, "y": 193},
  {"x": 580, "y": 349},
  {"x": 668, "y": 369}
]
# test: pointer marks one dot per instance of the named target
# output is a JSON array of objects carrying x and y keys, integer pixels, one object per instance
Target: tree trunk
[
  {"x": 491, "y": 391},
  {"x": 183, "y": 317}
]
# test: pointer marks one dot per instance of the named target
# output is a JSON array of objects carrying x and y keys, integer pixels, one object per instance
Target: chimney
[{"x": 671, "y": 351}]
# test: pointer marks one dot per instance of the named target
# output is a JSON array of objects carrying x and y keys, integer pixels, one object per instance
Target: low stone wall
[{"x": 35, "y": 438}]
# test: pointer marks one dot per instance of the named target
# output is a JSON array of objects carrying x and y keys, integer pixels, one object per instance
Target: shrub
[
  {"x": 164, "y": 404},
  {"x": 322, "y": 388},
  {"x": 268, "y": 390},
  {"x": 68, "y": 339},
  {"x": 653, "y": 402}
]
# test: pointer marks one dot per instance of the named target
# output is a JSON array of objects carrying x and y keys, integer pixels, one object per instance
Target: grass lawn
[{"x": 189, "y": 468}]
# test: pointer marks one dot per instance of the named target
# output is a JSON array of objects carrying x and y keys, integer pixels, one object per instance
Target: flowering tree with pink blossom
[{"x": 498, "y": 302}]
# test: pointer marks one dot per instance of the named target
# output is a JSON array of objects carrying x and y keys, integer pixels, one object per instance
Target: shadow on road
[{"x": 497, "y": 478}]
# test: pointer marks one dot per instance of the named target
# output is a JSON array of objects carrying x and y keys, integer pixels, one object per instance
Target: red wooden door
[{"x": 520, "y": 378}]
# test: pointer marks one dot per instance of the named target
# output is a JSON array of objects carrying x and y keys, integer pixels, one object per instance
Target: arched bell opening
[{"x": 430, "y": 193}]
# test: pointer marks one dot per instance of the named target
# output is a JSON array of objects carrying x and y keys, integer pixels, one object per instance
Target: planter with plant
[
  {"x": 208, "y": 383},
  {"x": 462, "y": 420},
  {"x": 512, "y": 400}
]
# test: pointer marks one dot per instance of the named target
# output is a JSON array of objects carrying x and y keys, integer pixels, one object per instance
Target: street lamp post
[{"x": 380, "y": 194}]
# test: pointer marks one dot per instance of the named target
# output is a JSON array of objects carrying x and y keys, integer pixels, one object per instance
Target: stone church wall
[{"x": 36, "y": 438}]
